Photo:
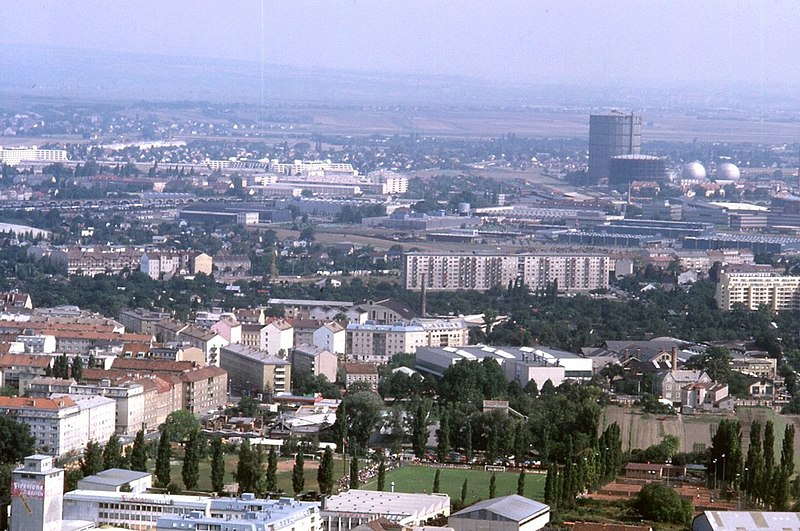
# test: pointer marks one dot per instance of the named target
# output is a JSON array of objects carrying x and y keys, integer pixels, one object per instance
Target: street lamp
[
  {"x": 723, "y": 472},
  {"x": 715, "y": 474}
]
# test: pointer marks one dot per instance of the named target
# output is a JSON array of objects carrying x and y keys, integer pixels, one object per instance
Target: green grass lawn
[{"x": 416, "y": 478}]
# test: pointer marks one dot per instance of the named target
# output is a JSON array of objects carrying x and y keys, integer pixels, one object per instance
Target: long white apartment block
[
  {"x": 15, "y": 156},
  {"x": 573, "y": 273},
  {"x": 756, "y": 286},
  {"x": 63, "y": 423}
]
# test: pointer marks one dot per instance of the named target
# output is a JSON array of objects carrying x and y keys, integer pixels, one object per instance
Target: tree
[
  {"x": 443, "y": 438},
  {"x": 272, "y": 470},
  {"x": 92, "y": 462},
  {"x": 162, "y": 459},
  {"x": 139, "y": 453},
  {"x": 217, "y": 465},
  {"x": 766, "y": 489},
  {"x": 549, "y": 485},
  {"x": 180, "y": 425},
  {"x": 787, "y": 450},
  {"x": 340, "y": 427},
  {"x": 246, "y": 468},
  {"x": 308, "y": 234},
  {"x": 726, "y": 451},
  {"x": 661, "y": 503},
  {"x": 248, "y": 407},
  {"x": 362, "y": 414},
  {"x": 754, "y": 464},
  {"x": 354, "y": 481},
  {"x": 190, "y": 469},
  {"x": 493, "y": 486},
  {"x": 419, "y": 431},
  {"x": 77, "y": 369},
  {"x": 259, "y": 478},
  {"x": 112, "y": 453},
  {"x": 464, "y": 488},
  {"x": 436, "y": 479},
  {"x": 468, "y": 441},
  {"x": 63, "y": 367},
  {"x": 521, "y": 444},
  {"x": 382, "y": 475},
  {"x": 16, "y": 440},
  {"x": 521, "y": 483},
  {"x": 298, "y": 477},
  {"x": 325, "y": 472},
  {"x": 715, "y": 361}
]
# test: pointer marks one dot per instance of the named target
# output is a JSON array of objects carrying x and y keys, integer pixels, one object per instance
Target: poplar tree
[
  {"x": 468, "y": 441},
  {"x": 139, "y": 453},
  {"x": 272, "y": 471},
  {"x": 162, "y": 460},
  {"x": 354, "y": 481},
  {"x": 443, "y": 438},
  {"x": 77, "y": 369},
  {"x": 549, "y": 485},
  {"x": 419, "y": 431},
  {"x": 190, "y": 468},
  {"x": 298, "y": 477},
  {"x": 112, "y": 453},
  {"x": 493, "y": 486},
  {"x": 259, "y": 477},
  {"x": 382, "y": 475},
  {"x": 766, "y": 489},
  {"x": 464, "y": 488},
  {"x": 217, "y": 465},
  {"x": 521, "y": 483},
  {"x": 325, "y": 472},
  {"x": 245, "y": 469},
  {"x": 92, "y": 462},
  {"x": 436, "y": 479}
]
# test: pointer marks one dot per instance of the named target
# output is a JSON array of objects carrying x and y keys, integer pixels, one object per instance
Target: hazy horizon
[{"x": 543, "y": 42}]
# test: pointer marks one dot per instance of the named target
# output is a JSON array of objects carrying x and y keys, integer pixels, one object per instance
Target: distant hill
[{"x": 71, "y": 73}]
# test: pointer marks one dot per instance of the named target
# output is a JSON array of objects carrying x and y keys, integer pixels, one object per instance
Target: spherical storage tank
[
  {"x": 727, "y": 172},
  {"x": 694, "y": 170}
]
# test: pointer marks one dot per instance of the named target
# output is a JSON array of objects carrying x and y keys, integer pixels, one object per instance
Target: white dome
[
  {"x": 727, "y": 172},
  {"x": 694, "y": 170}
]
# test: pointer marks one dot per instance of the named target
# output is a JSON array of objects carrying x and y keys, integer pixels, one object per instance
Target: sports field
[{"x": 416, "y": 478}]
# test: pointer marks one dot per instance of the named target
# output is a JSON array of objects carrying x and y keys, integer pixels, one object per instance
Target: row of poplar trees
[
  {"x": 257, "y": 471},
  {"x": 765, "y": 480},
  {"x": 584, "y": 469}
]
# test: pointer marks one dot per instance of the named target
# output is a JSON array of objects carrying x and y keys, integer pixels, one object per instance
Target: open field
[{"x": 417, "y": 478}]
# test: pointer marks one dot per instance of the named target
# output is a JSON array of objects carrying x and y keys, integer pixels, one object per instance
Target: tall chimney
[{"x": 674, "y": 358}]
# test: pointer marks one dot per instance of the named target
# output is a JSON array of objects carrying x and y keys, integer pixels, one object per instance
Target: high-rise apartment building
[
  {"x": 454, "y": 271},
  {"x": 755, "y": 286},
  {"x": 612, "y": 135}
]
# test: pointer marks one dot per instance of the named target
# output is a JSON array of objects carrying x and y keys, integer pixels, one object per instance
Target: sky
[{"x": 657, "y": 42}]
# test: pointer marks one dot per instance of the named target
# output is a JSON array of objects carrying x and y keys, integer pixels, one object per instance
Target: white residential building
[
  {"x": 373, "y": 343},
  {"x": 756, "y": 286},
  {"x": 279, "y": 337},
  {"x": 573, "y": 273},
  {"x": 63, "y": 424},
  {"x": 332, "y": 337},
  {"x": 15, "y": 156}
]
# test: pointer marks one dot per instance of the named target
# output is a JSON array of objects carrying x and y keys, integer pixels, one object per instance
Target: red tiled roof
[
  {"x": 36, "y": 403},
  {"x": 25, "y": 360},
  {"x": 151, "y": 365}
]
